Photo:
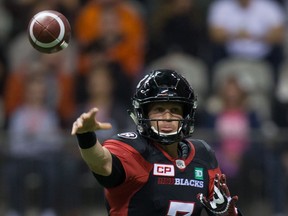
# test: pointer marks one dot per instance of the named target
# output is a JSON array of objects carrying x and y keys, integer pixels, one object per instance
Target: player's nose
[{"x": 167, "y": 114}]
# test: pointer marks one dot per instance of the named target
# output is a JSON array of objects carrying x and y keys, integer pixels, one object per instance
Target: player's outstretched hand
[
  {"x": 221, "y": 203},
  {"x": 87, "y": 122}
]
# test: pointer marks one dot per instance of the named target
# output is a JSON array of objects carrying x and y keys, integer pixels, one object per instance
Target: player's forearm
[{"x": 97, "y": 157}]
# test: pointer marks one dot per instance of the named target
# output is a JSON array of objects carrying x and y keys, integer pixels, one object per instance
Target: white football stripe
[
  {"x": 56, "y": 41},
  {"x": 64, "y": 44}
]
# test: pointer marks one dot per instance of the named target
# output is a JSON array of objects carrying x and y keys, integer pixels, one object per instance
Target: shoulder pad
[
  {"x": 204, "y": 153},
  {"x": 133, "y": 139}
]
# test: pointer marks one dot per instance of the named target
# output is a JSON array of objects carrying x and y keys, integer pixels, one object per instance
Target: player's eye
[
  {"x": 176, "y": 110},
  {"x": 159, "y": 109}
]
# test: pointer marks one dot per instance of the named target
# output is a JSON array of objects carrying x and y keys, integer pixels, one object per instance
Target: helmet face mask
[{"x": 164, "y": 86}]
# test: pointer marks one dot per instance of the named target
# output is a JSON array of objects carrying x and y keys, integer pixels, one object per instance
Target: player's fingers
[
  {"x": 202, "y": 198},
  {"x": 199, "y": 196},
  {"x": 223, "y": 179},
  {"x": 76, "y": 125},
  {"x": 217, "y": 180},
  {"x": 104, "y": 126},
  {"x": 90, "y": 114},
  {"x": 234, "y": 200},
  {"x": 79, "y": 123},
  {"x": 73, "y": 131},
  {"x": 225, "y": 189},
  {"x": 74, "y": 128}
]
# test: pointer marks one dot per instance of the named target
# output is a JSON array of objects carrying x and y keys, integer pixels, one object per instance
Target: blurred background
[{"x": 233, "y": 52}]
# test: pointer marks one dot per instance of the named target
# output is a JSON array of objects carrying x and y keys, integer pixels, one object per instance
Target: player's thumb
[
  {"x": 234, "y": 200},
  {"x": 105, "y": 126}
]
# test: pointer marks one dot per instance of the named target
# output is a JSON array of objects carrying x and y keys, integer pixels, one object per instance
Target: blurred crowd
[{"x": 233, "y": 52}]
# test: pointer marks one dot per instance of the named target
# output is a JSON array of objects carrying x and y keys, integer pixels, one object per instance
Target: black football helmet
[{"x": 164, "y": 86}]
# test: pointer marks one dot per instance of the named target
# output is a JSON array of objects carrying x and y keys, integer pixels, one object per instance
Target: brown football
[{"x": 49, "y": 31}]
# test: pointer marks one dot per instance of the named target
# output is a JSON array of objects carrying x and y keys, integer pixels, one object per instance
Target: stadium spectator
[
  {"x": 229, "y": 115},
  {"x": 92, "y": 57},
  {"x": 252, "y": 29},
  {"x": 177, "y": 25},
  {"x": 59, "y": 78},
  {"x": 101, "y": 86},
  {"x": 278, "y": 159},
  {"x": 119, "y": 27},
  {"x": 3, "y": 77},
  {"x": 6, "y": 26},
  {"x": 33, "y": 149}
]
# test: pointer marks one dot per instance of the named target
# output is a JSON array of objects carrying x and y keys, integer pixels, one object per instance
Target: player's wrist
[{"x": 86, "y": 140}]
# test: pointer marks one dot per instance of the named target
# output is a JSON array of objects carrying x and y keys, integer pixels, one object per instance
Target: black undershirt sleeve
[{"x": 115, "y": 178}]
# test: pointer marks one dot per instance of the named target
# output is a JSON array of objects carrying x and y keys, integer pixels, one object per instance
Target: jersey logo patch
[
  {"x": 163, "y": 170},
  {"x": 128, "y": 135},
  {"x": 198, "y": 172},
  {"x": 180, "y": 164}
]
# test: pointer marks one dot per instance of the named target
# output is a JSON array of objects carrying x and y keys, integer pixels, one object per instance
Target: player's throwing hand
[{"x": 87, "y": 122}]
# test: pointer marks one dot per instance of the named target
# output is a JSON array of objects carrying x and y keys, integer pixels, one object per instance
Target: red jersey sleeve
[{"x": 136, "y": 168}]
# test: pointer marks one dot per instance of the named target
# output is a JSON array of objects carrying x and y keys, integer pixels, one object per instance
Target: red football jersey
[{"x": 157, "y": 184}]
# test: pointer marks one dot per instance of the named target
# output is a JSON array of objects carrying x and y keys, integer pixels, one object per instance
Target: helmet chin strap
[{"x": 133, "y": 116}]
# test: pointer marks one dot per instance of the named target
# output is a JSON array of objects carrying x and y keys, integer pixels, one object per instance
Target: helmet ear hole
[{"x": 145, "y": 110}]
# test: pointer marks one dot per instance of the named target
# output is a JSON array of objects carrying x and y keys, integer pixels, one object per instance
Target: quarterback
[{"x": 158, "y": 169}]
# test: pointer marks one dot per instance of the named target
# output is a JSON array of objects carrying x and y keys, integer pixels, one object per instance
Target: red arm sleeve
[{"x": 135, "y": 166}]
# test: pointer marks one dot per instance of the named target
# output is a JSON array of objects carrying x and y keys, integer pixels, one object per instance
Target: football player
[{"x": 158, "y": 169}]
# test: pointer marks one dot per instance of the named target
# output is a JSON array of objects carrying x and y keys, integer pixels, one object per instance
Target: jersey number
[{"x": 180, "y": 208}]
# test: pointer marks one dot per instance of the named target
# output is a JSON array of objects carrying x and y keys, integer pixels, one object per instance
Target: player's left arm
[{"x": 221, "y": 202}]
